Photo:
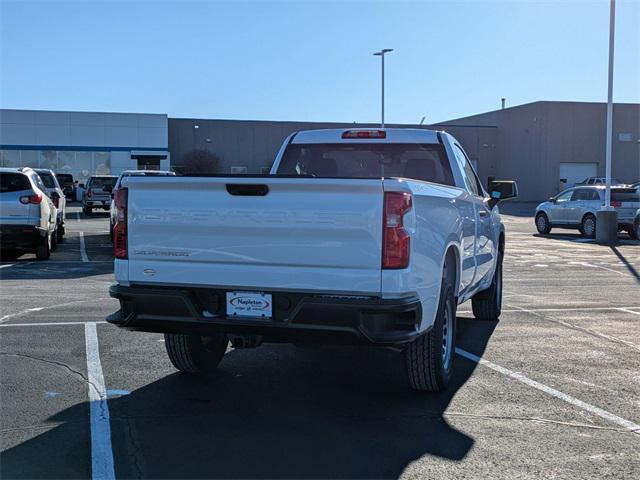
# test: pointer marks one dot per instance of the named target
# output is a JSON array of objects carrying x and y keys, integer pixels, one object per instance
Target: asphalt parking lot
[{"x": 552, "y": 390}]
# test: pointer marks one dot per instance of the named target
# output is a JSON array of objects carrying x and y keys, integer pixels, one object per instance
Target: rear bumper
[
  {"x": 297, "y": 317},
  {"x": 96, "y": 202},
  {"x": 20, "y": 237}
]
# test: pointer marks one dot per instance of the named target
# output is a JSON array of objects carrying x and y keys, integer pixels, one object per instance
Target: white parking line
[
  {"x": 7, "y": 265},
  {"x": 565, "y": 309},
  {"x": 47, "y": 324},
  {"x": 101, "y": 451},
  {"x": 633, "y": 427},
  {"x": 83, "y": 251},
  {"x": 37, "y": 309},
  {"x": 77, "y": 216}
]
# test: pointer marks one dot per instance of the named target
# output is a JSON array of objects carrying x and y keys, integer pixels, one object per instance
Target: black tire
[
  {"x": 43, "y": 248},
  {"x": 111, "y": 231},
  {"x": 542, "y": 223},
  {"x": 195, "y": 353},
  {"x": 429, "y": 362},
  {"x": 60, "y": 233},
  {"x": 87, "y": 210},
  {"x": 588, "y": 226},
  {"x": 634, "y": 232},
  {"x": 487, "y": 304},
  {"x": 54, "y": 241}
]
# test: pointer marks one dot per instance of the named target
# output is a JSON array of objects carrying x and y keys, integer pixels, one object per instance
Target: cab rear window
[
  {"x": 13, "y": 182},
  {"x": 99, "y": 182},
  {"x": 625, "y": 195},
  {"x": 426, "y": 162}
]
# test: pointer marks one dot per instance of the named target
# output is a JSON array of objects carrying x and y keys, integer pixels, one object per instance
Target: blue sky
[{"x": 301, "y": 60}]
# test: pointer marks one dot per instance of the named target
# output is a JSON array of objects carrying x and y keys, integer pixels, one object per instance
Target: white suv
[{"x": 28, "y": 216}]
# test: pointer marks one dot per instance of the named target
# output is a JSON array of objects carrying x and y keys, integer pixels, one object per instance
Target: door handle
[{"x": 483, "y": 213}]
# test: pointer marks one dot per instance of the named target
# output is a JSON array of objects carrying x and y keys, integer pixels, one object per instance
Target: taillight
[
  {"x": 34, "y": 199},
  {"x": 364, "y": 134},
  {"x": 120, "y": 199},
  {"x": 395, "y": 239},
  {"x": 89, "y": 193},
  {"x": 616, "y": 203}
]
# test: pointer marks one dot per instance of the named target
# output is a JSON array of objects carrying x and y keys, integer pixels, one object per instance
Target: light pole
[
  {"x": 381, "y": 55},
  {"x": 607, "y": 217}
]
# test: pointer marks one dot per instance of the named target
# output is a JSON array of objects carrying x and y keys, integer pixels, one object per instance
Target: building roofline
[
  {"x": 77, "y": 111},
  {"x": 531, "y": 103}
]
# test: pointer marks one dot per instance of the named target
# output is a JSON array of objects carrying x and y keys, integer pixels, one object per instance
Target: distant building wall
[
  {"x": 254, "y": 144},
  {"x": 534, "y": 139},
  {"x": 82, "y": 143}
]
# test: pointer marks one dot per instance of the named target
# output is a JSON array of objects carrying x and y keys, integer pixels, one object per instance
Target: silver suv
[
  {"x": 28, "y": 217},
  {"x": 576, "y": 208},
  {"x": 97, "y": 193}
]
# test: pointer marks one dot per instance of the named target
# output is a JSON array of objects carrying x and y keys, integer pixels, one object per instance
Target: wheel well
[
  {"x": 452, "y": 267},
  {"x": 586, "y": 215}
]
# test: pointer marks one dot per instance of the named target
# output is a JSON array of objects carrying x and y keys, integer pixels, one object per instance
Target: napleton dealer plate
[{"x": 249, "y": 304}]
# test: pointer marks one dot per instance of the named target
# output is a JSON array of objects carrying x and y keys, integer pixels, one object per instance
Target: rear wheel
[
  {"x": 43, "y": 248},
  {"x": 195, "y": 353},
  {"x": 487, "y": 305},
  {"x": 429, "y": 358},
  {"x": 542, "y": 223},
  {"x": 588, "y": 226},
  {"x": 54, "y": 241},
  {"x": 634, "y": 232},
  {"x": 60, "y": 233},
  {"x": 87, "y": 210}
]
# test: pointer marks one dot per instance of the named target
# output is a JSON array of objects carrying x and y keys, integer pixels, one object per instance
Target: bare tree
[{"x": 199, "y": 161}]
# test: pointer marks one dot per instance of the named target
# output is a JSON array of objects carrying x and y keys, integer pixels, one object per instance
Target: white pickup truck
[{"x": 356, "y": 236}]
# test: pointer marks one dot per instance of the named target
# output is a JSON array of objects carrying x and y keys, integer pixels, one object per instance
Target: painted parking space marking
[
  {"x": 627, "y": 424},
  {"x": 37, "y": 309},
  {"x": 628, "y": 311},
  {"x": 47, "y": 324},
  {"x": 77, "y": 216},
  {"x": 101, "y": 450},
  {"x": 83, "y": 251}
]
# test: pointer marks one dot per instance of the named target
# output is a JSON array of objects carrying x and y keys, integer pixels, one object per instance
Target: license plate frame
[{"x": 248, "y": 304}]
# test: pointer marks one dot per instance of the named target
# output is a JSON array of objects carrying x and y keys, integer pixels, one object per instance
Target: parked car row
[
  {"x": 576, "y": 208},
  {"x": 32, "y": 212}
]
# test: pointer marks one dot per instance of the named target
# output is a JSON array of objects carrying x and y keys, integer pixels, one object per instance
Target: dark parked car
[
  {"x": 97, "y": 193},
  {"x": 67, "y": 184}
]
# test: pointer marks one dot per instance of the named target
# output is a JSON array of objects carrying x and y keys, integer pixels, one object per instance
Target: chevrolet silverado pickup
[{"x": 356, "y": 236}]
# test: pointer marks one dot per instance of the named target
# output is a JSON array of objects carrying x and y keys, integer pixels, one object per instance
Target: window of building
[
  {"x": 48, "y": 159},
  {"x": 10, "y": 158}
]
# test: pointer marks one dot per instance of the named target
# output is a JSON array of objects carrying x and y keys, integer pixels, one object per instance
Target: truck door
[
  {"x": 485, "y": 246},
  {"x": 469, "y": 213}
]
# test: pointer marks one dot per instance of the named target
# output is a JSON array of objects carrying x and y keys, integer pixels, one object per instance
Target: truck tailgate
[{"x": 304, "y": 234}]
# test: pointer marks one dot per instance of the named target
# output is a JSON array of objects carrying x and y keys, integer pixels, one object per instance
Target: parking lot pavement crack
[
  {"x": 579, "y": 328},
  {"x": 73, "y": 371},
  {"x": 135, "y": 446}
]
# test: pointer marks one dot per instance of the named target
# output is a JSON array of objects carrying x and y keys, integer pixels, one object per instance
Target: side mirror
[
  {"x": 552, "y": 199},
  {"x": 502, "y": 190}
]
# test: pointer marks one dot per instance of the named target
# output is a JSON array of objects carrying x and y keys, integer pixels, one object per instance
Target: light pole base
[{"x": 607, "y": 227}]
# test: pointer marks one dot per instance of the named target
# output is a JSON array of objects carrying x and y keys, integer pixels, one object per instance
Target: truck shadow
[{"x": 274, "y": 412}]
